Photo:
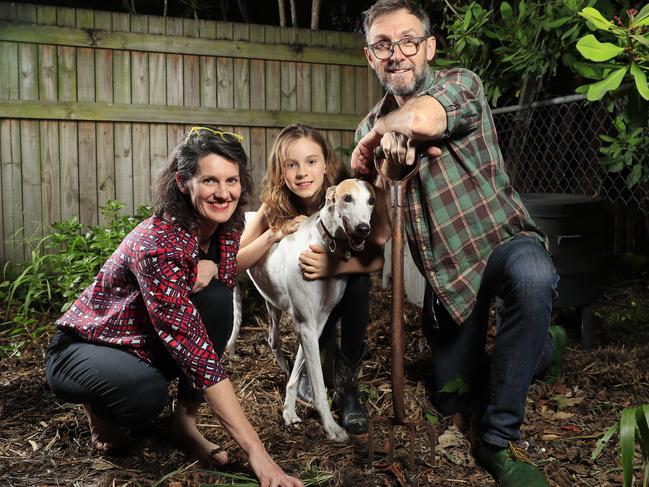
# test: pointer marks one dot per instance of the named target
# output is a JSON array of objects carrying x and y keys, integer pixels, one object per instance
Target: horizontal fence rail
[{"x": 92, "y": 103}]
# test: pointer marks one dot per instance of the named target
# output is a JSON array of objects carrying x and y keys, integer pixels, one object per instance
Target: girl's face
[
  {"x": 304, "y": 171},
  {"x": 214, "y": 190}
]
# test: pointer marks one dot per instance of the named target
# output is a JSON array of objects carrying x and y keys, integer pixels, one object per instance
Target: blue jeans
[{"x": 520, "y": 272}]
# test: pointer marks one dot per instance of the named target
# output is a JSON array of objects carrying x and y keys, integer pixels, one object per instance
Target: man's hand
[
  {"x": 316, "y": 263},
  {"x": 363, "y": 156},
  {"x": 205, "y": 272}
]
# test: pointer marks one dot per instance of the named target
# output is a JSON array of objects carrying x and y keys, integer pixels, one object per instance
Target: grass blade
[
  {"x": 627, "y": 444},
  {"x": 642, "y": 419},
  {"x": 601, "y": 443}
]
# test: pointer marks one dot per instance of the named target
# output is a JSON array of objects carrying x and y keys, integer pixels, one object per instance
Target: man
[{"x": 469, "y": 234}]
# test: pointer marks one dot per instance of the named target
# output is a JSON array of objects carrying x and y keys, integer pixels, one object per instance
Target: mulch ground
[{"x": 44, "y": 442}]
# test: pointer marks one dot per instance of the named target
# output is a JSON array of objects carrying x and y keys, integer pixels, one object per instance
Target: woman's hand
[
  {"x": 206, "y": 271},
  {"x": 288, "y": 227},
  {"x": 317, "y": 263},
  {"x": 268, "y": 472}
]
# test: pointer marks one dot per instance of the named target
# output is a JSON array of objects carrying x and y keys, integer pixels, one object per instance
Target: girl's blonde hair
[{"x": 281, "y": 203}]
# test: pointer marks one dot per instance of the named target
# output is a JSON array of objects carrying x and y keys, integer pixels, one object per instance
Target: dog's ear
[{"x": 330, "y": 198}]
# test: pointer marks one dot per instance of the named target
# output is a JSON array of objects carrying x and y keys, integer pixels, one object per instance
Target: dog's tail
[{"x": 236, "y": 319}]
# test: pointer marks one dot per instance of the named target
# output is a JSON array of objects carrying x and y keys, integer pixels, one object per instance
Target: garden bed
[{"x": 44, "y": 442}]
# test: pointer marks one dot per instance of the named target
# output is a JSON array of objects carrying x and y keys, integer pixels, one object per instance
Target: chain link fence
[{"x": 553, "y": 147}]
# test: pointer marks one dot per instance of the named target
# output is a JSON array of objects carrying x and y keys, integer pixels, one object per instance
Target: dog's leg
[
  {"x": 309, "y": 339},
  {"x": 236, "y": 318},
  {"x": 289, "y": 414},
  {"x": 274, "y": 340}
]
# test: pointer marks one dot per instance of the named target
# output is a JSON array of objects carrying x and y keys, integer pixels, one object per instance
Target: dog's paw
[
  {"x": 291, "y": 417},
  {"x": 336, "y": 433}
]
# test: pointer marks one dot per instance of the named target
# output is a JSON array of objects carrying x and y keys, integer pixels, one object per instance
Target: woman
[
  {"x": 161, "y": 307},
  {"x": 301, "y": 167}
]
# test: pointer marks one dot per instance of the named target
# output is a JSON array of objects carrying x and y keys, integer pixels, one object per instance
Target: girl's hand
[
  {"x": 289, "y": 227},
  {"x": 205, "y": 272},
  {"x": 317, "y": 263},
  {"x": 269, "y": 473}
]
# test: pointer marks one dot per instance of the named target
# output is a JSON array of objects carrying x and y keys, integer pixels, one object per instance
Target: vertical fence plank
[
  {"x": 28, "y": 143},
  {"x": 288, "y": 74},
  {"x": 12, "y": 215},
  {"x": 191, "y": 67},
  {"x": 318, "y": 78},
  {"x": 8, "y": 11},
  {"x": 140, "y": 136},
  {"x": 348, "y": 83},
  {"x": 257, "y": 102},
  {"x": 158, "y": 96},
  {"x": 242, "y": 83},
  {"x": 208, "y": 78},
  {"x": 86, "y": 136},
  {"x": 69, "y": 170},
  {"x": 50, "y": 174},
  {"x": 174, "y": 27},
  {"x": 105, "y": 131},
  {"x": 122, "y": 131},
  {"x": 273, "y": 76},
  {"x": 225, "y": 69},
  {"x": 303, "y": 76}
]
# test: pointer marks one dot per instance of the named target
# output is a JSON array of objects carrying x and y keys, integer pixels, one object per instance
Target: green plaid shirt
[{"x": 461, "y": 205}]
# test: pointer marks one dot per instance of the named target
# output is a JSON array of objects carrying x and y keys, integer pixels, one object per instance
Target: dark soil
[{"x": 45, "y": 442}]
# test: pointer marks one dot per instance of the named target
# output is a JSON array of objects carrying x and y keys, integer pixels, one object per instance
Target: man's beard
[{"x": 401, "y": 88}]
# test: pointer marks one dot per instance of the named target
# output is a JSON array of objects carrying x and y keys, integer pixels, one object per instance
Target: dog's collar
[{"x": 330, "y": 240}]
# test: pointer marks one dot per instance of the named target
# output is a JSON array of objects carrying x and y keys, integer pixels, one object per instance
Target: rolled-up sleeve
[
  {"x": 461, "y": 94},
  {"x": 165, "y": 280}
]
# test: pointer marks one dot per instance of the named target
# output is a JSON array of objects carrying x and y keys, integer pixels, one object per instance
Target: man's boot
[{"x": 353, "y": 416}]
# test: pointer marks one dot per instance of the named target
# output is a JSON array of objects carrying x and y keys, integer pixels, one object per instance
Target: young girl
[{"x": 300, "y": 168}]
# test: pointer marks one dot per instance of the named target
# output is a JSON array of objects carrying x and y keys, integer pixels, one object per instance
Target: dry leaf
[
  {"x": 101, "y": 464},
  {"x": 562, "y": 415},
  {"x": 34, "y": 445},
  {"x": 550, "y": 437}
]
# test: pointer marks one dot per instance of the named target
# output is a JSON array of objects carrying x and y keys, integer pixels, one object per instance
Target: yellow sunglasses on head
[{"x": 215, "y": 132}]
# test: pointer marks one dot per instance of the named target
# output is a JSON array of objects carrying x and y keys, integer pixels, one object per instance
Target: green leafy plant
[
  {"x": 632, "y": 428},
  {"x": 622, "y": 55},
  {"x": 62, "y": 265},
  {"x": 515, "y": 48}
]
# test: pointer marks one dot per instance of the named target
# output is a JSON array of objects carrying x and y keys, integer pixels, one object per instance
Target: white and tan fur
[{"x": 346, "y": 217}]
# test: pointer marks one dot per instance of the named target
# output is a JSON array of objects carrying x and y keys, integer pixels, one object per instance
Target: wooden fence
[{"x": 92, "y": 102}]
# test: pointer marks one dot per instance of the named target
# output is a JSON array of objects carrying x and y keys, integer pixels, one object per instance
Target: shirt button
[
  {"x": 418, "y": 219},
  {"x": 423, "y": 247}
]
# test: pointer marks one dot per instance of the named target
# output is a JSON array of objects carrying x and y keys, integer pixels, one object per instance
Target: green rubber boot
[{"x": 510, "y": 467}]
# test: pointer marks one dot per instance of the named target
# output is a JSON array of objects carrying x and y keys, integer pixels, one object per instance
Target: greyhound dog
[{"x": 341, "y": 226}]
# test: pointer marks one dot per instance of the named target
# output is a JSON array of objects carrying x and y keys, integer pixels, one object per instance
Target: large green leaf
[
  {"x": 640, "y": 80},
  {"x": 627, "y": 444},
  {"x": 589, "y": 47},
  {"x": 611, "y": 83},
  {"x": 641, "y": 39},
  {"x": 632, "y": 179},
  {"x": 642, "y": 419},
  {"x": 506, "y": 12},
  {"x": 593, "y": 16},
  {"x": 642, "y": 18},
  {"x": 586, "y": 70}
]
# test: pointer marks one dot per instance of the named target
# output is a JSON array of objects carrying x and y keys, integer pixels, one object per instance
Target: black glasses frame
[{"x": 390, "y": 52}]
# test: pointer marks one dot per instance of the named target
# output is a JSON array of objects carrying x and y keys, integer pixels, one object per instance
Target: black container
[{"x": 575, "y": 227}]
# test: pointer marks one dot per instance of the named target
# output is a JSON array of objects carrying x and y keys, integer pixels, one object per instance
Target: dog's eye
[
  {"x": 370, "y": 201},
  {"x": 348, "y": 198}
]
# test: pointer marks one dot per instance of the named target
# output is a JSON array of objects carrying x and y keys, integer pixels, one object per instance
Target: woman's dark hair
[{"x": 198, "y": 143}]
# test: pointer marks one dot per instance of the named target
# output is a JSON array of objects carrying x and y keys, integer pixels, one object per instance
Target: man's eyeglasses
[
  {"x": 223, "y": 135},
  {"x": 409, "y": 46}
]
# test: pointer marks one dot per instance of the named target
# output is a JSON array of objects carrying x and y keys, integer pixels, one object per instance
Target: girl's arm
[
  {"x": 317, "y": 263},
  {"x": 223, "y": 401}
]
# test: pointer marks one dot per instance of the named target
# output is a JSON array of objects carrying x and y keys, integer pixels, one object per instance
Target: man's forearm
[{"x": 420, "y": 118}]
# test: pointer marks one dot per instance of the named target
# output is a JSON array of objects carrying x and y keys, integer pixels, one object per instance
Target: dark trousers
[
  {"x": 522, "y": 274},
  {"x": 353, "y": 313},
  {"x": 120, "y": 387}
]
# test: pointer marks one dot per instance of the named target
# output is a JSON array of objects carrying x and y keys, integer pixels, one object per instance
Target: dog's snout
[{"x": 363, "y": 229}]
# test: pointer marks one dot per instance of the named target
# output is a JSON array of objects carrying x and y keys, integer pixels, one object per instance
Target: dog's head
[{"x": 350, "y": 204}]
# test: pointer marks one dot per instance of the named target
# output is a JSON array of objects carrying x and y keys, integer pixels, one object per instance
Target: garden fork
[{"x": 398, "y": 201}]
